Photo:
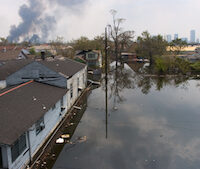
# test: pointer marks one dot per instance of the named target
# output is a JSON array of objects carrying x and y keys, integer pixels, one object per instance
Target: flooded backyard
[{"x": 152, "y": 123}]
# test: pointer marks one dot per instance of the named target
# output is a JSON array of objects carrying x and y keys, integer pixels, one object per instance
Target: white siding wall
[
  {"x": 51, "y": 120},
  {"x": 82, "y": 84}
]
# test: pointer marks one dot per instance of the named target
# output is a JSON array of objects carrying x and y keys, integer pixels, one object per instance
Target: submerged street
[{"x": 151, "y": 124}]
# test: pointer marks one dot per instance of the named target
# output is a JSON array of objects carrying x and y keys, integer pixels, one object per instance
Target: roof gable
[{"x": 38, "y": 72}]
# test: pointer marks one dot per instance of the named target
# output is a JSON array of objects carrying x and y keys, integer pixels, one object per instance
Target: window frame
[{"x": 71, "y": 90}]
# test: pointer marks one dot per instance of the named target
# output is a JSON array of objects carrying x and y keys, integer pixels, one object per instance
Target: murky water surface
[{"x": 151, "y": 124}]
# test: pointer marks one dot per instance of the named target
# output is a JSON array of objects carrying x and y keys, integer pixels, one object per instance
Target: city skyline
[
  {"x": 191, "y": 39},
  {"x": 89, "y": 17}
]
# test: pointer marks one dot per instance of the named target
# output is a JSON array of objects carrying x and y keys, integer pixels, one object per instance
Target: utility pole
[{"x": 106, "y": 79}]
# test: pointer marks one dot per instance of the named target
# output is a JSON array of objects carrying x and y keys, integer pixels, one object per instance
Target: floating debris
[
  {"x": 82, "y": 139},
  {"x": 65, "y": 136},
  {"x": 115, "y": 108},
  {"x": 60, "y": 141},
  {"x": 76, "y": 107}
]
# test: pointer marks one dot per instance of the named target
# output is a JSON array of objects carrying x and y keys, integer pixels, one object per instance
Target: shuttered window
[
  {"x": 18, "y": 147},
  {"x": 71, "y": 90}
]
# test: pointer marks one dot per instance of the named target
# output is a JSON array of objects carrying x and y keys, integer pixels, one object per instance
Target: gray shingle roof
[
  {"x": 19, "y": 110},
  {"x": 67, "y": 67}
]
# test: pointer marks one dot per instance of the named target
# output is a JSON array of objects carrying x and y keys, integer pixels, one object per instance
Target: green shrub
[
  {"x": 196, "y": 66},
  {"x": 32, "y": 51}
]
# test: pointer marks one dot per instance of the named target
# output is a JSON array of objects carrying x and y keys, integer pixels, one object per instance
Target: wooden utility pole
[{"x": 106, "y": 79}]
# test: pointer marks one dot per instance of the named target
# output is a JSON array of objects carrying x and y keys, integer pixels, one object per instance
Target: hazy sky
[{"x": 89, "y": 19}]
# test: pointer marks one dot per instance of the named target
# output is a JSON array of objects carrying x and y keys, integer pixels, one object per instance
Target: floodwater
[{"x": 151, "y": 124}]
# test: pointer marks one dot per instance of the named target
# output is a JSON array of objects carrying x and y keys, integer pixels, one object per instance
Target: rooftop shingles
[
  {"x": 9, "y": 67},
  {"x": 67, "y": 67},
  {"x": 19, "y": 110}
]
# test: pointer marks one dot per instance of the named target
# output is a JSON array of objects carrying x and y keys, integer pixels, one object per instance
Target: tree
[
  {"x": 126, "y": 40},
  {"x": 122, "y": 40},
  {"x": 177, "y": 45},
  {"x": 150, "y": 46},
  {"x": 61, "y": 48},
  {"x": 115, "y": 31},
  {"x": 3, "y": 41},
  {"x": 83, "y": 43}
]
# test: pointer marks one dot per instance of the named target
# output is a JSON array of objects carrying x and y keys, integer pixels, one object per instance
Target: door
[{"x": 1, "y": 163}]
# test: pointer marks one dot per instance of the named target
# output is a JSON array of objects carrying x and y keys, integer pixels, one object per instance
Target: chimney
[{"x": 43, "y": 55}]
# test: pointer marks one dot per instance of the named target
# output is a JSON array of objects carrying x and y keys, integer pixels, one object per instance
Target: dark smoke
[{"x": 35, "y": 21}]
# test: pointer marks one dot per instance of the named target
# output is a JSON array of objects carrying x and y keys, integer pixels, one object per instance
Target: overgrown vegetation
[{"x": 174, "y": 65}]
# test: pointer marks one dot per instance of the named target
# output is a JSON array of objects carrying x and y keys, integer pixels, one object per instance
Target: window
[
  {"x": 18, "y": 148},
  {"x": 62, "y": 104},
  {"x": 91, "y": 56},
  {"x": 39, "y": 125},
  {"x": 71, "y": 90}
]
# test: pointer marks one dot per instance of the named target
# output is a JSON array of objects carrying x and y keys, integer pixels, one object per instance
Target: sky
[{"x": 90, "y": 17}]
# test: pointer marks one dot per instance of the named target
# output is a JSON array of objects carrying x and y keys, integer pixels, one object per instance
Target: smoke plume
[{"x": 36, "y": 20}]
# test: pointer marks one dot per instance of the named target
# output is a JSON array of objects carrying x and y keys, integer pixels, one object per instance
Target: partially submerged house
[
  {"x": 93, "y": 58},
  {"x": 36, "y": 95}
]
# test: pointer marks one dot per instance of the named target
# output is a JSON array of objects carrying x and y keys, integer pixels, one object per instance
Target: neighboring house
[
  {"x": 93, "y": 58},
  {"x": 14, "y": 54},
  {"x": 128, "y": 56},
  {"x": 36, "y": 98},
  {"x": 24, "y": 54},
  {"x": 44, "y": 47}
]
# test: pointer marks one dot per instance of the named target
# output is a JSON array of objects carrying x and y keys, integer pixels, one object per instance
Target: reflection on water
[{"x": 152, "y": 123}]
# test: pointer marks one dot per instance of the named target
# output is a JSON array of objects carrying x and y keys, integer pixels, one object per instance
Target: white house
[{"x": 36, "y": 98}]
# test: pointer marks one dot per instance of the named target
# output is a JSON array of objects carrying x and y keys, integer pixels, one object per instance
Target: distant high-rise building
[
  {"x": 169, "y": 38},
  {"x": 197, "y": 40},
  {"x": 192, "y": 36},
  {"x": 175, "y": 36}
]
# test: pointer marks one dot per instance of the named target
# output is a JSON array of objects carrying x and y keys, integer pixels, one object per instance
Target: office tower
[
  {"x": 169, "y": 38},
  {"x": 192, "y": 36},
  {"x": 175, "y": 36}
]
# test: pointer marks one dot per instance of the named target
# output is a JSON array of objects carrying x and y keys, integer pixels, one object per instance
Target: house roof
[
  {"x": 67, "y": 67},
  {"x": 21, "y": 108},
  {"x": 9, "y": 67},
  {"x": 10, "y": 54}
]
